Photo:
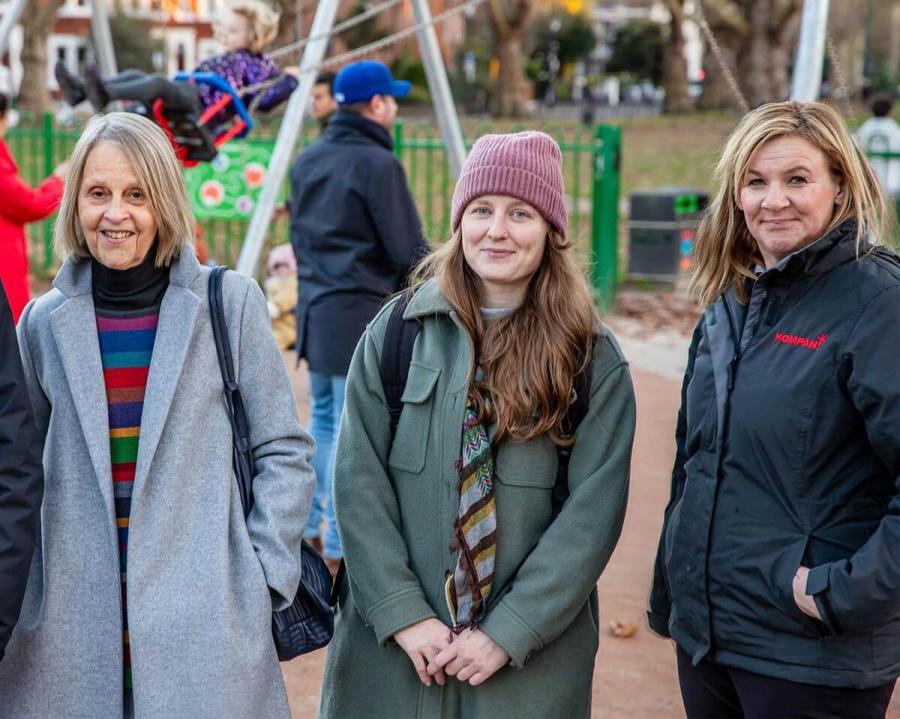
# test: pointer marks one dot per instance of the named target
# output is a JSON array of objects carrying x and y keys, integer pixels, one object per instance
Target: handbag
[{"x": 308, "y": 623}]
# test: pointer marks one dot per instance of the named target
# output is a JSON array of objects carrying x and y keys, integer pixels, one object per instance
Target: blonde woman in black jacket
[{"x": 778, "y": 572}]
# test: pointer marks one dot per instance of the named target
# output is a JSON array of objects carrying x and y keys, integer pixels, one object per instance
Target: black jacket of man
[
  {"x": 21, "y": 477},
  {"x": 356, "y": 235},
  {"x": 788, "y": 454}
]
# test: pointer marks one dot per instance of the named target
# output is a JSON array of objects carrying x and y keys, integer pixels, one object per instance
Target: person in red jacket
[{"x": 21, "y": 204}]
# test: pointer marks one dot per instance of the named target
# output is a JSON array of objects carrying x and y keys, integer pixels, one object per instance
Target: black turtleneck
[{"x": 137, "y": 288}]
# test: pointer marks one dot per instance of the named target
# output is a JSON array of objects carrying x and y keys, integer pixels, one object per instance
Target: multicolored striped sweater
[{"x": 126, "y": 345}]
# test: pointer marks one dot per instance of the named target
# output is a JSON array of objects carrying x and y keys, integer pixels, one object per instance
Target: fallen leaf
[{"x": 622, "y": 630}]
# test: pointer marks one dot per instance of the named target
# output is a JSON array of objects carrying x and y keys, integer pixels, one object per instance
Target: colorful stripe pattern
[
  {"x": 126, "y": 345},
  {"x": 468, "y": 587}
]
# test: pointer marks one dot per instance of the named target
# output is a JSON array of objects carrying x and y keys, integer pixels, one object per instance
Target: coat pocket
[
  {"x": 527, "y": 464},
  {"x": 410, "y": 444}
]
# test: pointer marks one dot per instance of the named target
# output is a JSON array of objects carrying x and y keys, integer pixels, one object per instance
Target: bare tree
[
  {"x": 509, "y": 20},
  {"x": 674, "y": 74},
  {"x": 757, "y": 38},
  {"x": 37, "y": 22}
]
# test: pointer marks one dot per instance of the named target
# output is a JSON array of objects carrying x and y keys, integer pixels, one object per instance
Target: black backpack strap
[
  {"x": 240, "y": 428},
  {"x": 396, "y": 356},
  {"x": 576, "y": 413}
]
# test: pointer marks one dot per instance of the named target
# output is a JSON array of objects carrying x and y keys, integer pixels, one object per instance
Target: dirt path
[{"x": 634, "y": 678}]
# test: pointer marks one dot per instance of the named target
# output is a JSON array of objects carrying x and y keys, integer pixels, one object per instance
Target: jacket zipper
[{"x": 732, "y": 366}]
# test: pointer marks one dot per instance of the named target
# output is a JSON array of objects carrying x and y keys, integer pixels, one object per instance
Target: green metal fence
[{"x": 591, "y": 168}]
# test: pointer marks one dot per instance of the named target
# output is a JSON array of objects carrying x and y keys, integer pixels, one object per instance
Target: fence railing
[{"x": 590, "y": 165}]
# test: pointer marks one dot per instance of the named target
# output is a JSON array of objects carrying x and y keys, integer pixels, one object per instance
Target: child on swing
[{"x": 247, "y": 28}]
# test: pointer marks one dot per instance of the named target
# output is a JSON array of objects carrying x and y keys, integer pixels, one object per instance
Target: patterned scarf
[{"x": 468, "y": 587}]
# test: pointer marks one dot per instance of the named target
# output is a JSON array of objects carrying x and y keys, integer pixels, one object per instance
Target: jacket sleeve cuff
[
  {"x": 817, "y": 583},
  {"x": 512, "y": 633},
  {"x": 397, "y": 612},
  {"x": 659, "y": 624}
]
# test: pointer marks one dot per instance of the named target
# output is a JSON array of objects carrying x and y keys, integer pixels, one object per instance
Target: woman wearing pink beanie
[{"x": 482, "y": 466}]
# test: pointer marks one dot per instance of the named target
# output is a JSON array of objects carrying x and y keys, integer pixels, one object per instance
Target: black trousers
[{"x": 710, "y": 691}]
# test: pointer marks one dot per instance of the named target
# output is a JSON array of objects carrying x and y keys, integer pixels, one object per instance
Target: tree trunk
[
  {"x": 674, "y": 77},
  {"x": 37, "y": 22},
  {"x": 717, "y": 93},
  {"x": 511, "y": 80},
  {"x": 509, "y": 21}
]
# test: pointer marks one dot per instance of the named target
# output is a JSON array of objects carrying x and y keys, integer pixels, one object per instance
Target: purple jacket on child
[{"x": 243, "y": 68}]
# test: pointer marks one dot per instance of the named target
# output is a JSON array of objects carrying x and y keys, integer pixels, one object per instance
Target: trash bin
[{"x": 661, "y": 229}]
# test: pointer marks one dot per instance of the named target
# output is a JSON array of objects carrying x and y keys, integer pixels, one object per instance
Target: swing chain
[
  {"x": 720, "y": 58},
  {"x": 361, "y": 51}
]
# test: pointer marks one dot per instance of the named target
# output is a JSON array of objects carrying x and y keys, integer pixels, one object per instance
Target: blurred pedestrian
[
  {"x": 281, "y": 295},
  {"x": 21, "y": 204},
  {"x": 356, "y": 235},
  {"x": 881, "y": 133},
  {"x": 778, "y": 571},
  {"x": 476, "y": 530},
  {"x": 170, "y": 613},
  {"x": 21, "y": 477},
  {"x": 323, "y": 103}
]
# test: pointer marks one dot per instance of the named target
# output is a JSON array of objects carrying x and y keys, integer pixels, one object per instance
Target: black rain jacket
[
  {"x": 21, "y": 477},
  {"x": 356, "y": 234},
  {"x": 788, "y": 453}
]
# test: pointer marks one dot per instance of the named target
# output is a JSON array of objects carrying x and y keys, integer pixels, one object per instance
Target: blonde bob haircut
[
  {"x": 262, "y": 21},
  {"x": 724, "y": 250},
  {"x": 157, "y": 170}
]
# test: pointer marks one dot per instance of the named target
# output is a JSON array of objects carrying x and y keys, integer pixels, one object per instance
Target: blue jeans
[{"x": 327, "y": 404}]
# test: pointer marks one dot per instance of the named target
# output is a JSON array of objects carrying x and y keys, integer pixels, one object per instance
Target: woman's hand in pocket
[
  {"x": 804, "y": 601},
  {"x": 422, "y": 642}
]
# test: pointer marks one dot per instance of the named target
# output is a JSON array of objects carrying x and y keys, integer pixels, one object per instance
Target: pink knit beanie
[{"x": 526, "y": 165}]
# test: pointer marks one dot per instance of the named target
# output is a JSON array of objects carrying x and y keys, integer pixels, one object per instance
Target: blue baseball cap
[{"x": 362, "y": 81}]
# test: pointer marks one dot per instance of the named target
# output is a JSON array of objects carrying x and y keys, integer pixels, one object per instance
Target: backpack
[{"x": 396, "y": 357}]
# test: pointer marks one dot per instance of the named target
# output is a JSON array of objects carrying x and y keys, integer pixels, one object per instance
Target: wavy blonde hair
[
  {"x": 262, "y": 20},
  {"x": 724, "y": 249},
  {"x": 530, "y": 358},
  {"x": 157, "y": 170}
]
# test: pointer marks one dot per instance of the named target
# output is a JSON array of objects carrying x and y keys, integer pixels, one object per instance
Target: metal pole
[
  {"x": 605, "y": 214},
  {"x": 313, "y": 54},
  {"x": 807, "y": 79},
  {"x": 9, "y": 21},
  {"x": 103, "y": 44},
  {"x": 439, "y": 87}
]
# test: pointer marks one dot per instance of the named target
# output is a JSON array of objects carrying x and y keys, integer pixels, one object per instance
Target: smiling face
[
  {"x": 788, "y": 196},
  {"x": 503, "y": 241},
  {"x": 115, "y": 216},
  {"x": 234, "y": 32}
]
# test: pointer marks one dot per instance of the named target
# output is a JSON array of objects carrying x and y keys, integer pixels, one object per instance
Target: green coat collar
[{"x": 429, "y": 299}]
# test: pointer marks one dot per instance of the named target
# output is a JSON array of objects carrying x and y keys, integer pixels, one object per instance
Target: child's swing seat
[{"x": 190, "y": 137}]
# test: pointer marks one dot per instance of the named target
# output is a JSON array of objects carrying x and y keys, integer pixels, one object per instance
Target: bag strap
[
  {"x": 576, "y": 413},
  {"x": 396, "y": 356},
  {"x": 242, "y": 458}
]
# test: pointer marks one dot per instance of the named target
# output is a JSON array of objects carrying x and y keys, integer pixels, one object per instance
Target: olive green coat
[{"x": 396, "y": 503}]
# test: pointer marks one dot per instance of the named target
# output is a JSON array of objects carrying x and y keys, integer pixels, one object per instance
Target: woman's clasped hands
[{"x": 435, "y": 651}]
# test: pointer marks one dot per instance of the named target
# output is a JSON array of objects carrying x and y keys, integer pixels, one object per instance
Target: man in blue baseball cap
[{"x": 356, "y": 234}]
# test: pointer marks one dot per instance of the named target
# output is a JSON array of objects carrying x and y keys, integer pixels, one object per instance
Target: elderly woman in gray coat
[{"x": 124, "y": 381}]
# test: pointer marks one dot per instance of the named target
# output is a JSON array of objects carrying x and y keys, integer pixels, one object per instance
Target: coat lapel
[
  {"x": 74, "y": 328},
  {"x": 177, "y": 317}
]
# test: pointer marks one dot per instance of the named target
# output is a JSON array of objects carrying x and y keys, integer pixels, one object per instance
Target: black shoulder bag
[{"x": 308, "y": 623}]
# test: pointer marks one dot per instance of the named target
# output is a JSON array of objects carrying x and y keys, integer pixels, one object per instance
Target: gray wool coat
[{"x": 201, "y": 580}]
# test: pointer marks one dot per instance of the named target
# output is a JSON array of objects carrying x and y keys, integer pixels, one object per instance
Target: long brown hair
[
  {"x": 724, "y": 249},
  {"x": 531, "y": 357}
]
